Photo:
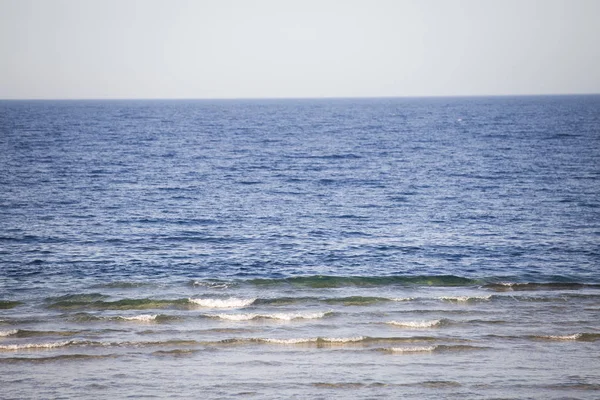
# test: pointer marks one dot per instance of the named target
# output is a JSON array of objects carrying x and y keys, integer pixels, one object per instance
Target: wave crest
[
  {"x": 465, "y": 299},
  {"x": 35, "y": 346},
  {"x": 277, "y": 316},
  {"x": 140, "y": 318},
  {"x": 416, "y": 324},
  {"x": 232, "y": 302},
  {"x": 414, "y": 349}
]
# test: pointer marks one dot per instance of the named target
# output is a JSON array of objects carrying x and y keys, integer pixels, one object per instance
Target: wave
[
  {"x": 139, "y": 318},
  {"x": 417, "y": 324},
  {"x": 335, "y": 281},
  {"x": 175, "y": 352},
  {"x": 77, "y": 298},
  {"x": 282, "y": 301},
  {"x": 85, "y": 317},
  {"x": 356, "y": 300},
  {"x": 7, "y": 304},
  {"x": 121, "y": 285},
  {"x": 414, "y": 349},
  {"x": 583, "y": 337},
  {"x": 322, "y": 340},
  {"x": 24, "y": 333},
  {"x": 232, "y": 302},
  {"x": 37, "y": 346},
  {"x": 84, "y": 343},
  {"x": 359, "y": 385},
  {"x": 212, "y": 284},
  {"x": 328, "y": 340},
  {"x": 465, "y": 299},
  {"x": 95, "y": 302},
  {"x": 91, "y": 303},
  {"x": 433, "y": 348},
  {"x": 346, "y": 301},
  {"x": 533, "y": 286},
  {"x": 62, "y": 357},
  {"x": 276, "y": 316},
  {"x": 330, "y": 281}
]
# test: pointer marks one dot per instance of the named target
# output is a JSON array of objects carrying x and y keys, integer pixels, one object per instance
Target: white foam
[
  {"x": 463, "y": 299},
  {"x": 278, "y": 316},
  {"x": 343, "y": 339},
  {"x": 140, "y": 318},
  {"x": 8, "y": 333},
  {"x": 290, "y": 341},
  {"x": 212, "y": 285},
  {"x": 574, "y": 336},
  {"x": 417, "y": 349},
  {"x": 315, "y": 339},
  {"x": 402, "y": 299},
  {"x": 232, "y": 302},
  {"x": 416, "y": 324},
  {"x": 31, "y": 346}
]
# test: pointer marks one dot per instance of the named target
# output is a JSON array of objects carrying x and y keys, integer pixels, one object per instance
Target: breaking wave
[
  {"x": 139, "y": 318},
  {"x": 276, "y": 316},
  {"x": 431, "y": 349},
  {"x": 232, "y": 302},
  {"x": 331, "y": 340},
  {"x": 465, "y": 299},
  {"x": 583, "y": 337},
  {"x": 38, "y": 346},
  {"x": 329, "y": 281},
  {"x": 417, "y": 324}
]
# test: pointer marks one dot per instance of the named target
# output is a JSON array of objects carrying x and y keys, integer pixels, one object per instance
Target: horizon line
[{"x": 294, "y": 98}]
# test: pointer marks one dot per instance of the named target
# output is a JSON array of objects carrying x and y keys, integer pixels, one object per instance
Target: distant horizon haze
[{"x": 267, "y": 49}]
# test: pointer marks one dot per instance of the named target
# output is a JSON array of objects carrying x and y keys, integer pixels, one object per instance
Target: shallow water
[{"x": 429, "y": 248}]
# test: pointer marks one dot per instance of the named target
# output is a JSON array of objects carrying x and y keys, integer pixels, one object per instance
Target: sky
[{"x": 113, "y": 49}]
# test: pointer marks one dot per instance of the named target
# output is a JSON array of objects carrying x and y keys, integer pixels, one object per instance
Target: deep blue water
[
  {"x": 476, "y": 187},
  {"x": 362, "y": 244}
]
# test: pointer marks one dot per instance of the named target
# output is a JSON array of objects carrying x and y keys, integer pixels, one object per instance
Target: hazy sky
[{"x": 289, "y": 48}]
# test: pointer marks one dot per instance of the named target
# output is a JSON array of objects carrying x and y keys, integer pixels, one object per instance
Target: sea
[{"x": 383, "y": 248}]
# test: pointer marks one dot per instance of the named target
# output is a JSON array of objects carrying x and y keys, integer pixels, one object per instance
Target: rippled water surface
[{"x": 374, "y": 248}]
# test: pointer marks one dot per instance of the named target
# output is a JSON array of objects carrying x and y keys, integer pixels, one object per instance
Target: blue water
[{"x": 270, "y": 239}]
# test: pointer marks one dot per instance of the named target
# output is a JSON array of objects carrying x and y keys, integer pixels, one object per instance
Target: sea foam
[
  {"x": 416, "y": 349},
  {"x": 140, "y": 318},
  {"x": 465, "y": 299},
  {"x": 338, "y": 340},
  {"x": 575, "y": 336},
  {"x": 416, "y": 324},
  {"x": 33, "y": 346},
  {"x": 232, "y": 302},
  {"x": 277, "y": 316}
]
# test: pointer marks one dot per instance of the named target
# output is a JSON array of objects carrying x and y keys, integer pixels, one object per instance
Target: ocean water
[{"x": 309, "y": 249}]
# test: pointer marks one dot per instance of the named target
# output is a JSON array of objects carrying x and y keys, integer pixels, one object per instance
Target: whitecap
[
  {"x": 339, "y": 340},
  {"x": 9, "y": 333},
  {"x": 416, "y": 349},
  {"x": 343, "y": 339},
  {"x": 278, "y": 316},
  {"x": 464, "y": 299},
  {"x": 232, "y": 302},
  {"x": 212, "y": 285},
  {"x": 140, "y": 318},
  {"x": 416, "y": 324},
  {"x": 290, "y": 341},
  {"x": 575, "y": 336},
  {"x": 31, "y": 346}
]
